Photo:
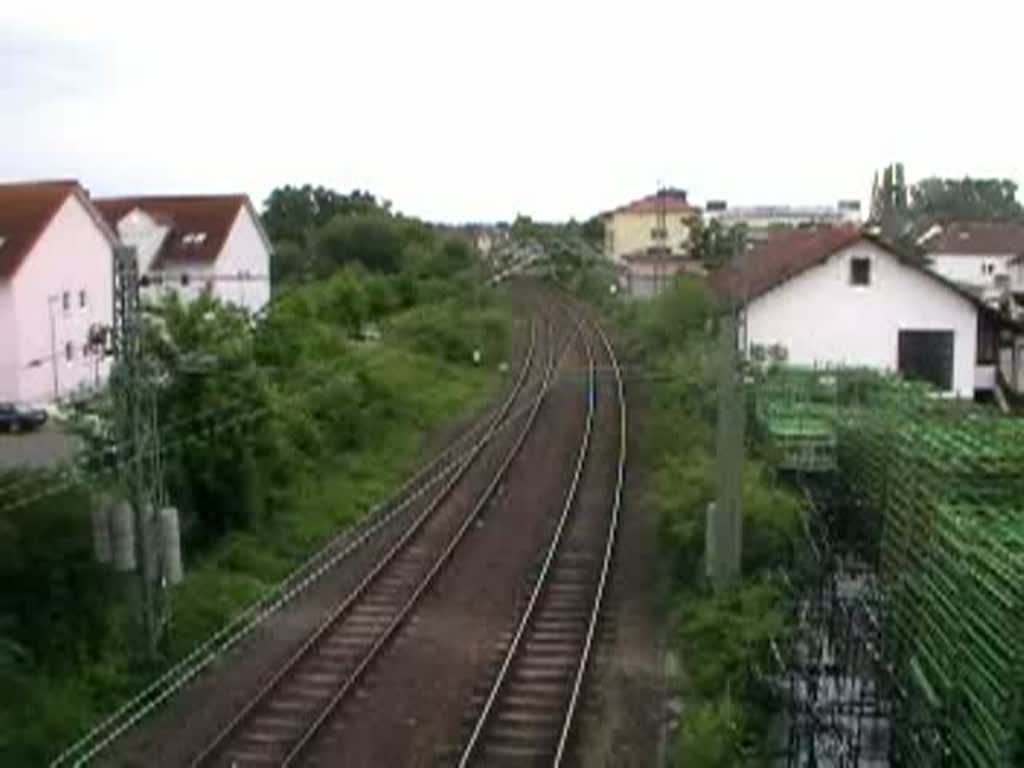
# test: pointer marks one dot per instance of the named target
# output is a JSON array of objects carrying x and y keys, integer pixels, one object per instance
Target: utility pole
[
  {"x": 138, "y": 443},
  {"x": 724, "y": 537}
]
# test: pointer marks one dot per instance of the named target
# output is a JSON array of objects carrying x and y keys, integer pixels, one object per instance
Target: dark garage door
[{"x": 927, "y": 356}]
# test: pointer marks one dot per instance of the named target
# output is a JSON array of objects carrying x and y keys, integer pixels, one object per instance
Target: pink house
[
  {"x": 193, "y": 243},
  {"x": 55, "y": 286}
]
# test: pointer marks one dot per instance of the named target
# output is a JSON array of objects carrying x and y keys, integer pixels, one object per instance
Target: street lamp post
[{"x": 50, "y": 300}]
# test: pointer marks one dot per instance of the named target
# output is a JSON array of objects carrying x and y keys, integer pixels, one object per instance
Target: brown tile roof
[
  {"x": 210, "y": 217},
  {"x": 978, "y": 238},
  {"x": 653, "y": 203},
  {"x": 26, "y": 210},
  {"x": 778, "y": 259},
  {"x": 786, "y": 255}
]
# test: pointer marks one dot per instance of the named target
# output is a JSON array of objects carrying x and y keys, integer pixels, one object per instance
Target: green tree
[
  {"x": 289, "y": 263},
  {"x": 889, "y": 195},
  {"x": 593, "y": 232},
  {"x": 54, "y": 595},
  {"x": 935, "y": 199},
  {"x": 371, "y": 239},
  {"x": 714, "y": 243},
  {"x": 290, "y": 213},
  {"x": 213, "y": 406}
]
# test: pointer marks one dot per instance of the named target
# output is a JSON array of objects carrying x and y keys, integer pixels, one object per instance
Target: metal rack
[{"x": 939, "y": 485}]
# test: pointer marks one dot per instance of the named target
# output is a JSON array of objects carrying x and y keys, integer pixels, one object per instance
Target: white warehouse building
[{"x": 836, "y": 296}]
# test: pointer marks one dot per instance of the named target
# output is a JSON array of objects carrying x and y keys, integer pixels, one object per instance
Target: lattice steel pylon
[{"x": 133, "y": 387}]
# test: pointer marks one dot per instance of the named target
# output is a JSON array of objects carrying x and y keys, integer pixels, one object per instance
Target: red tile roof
[
  {"x": 785, "y": 256},
  {"x": 25, "y": 212},
  {"x": 978, "y": 238},
  {"x": 208, "y": 216},
  {"x": 653, "y": 204},
  {"x": 778, "y": 259}
]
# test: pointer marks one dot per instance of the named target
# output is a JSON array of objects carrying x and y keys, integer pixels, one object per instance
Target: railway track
[
  {"x": 528, "y": 714},
  {"x": 283, "y": 719}
]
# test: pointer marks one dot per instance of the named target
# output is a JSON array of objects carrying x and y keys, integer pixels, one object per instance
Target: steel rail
[
  {"x": 129, "y": 714},
  {"x": 100, "y": 736},
  {"x": 217, "y": 748},
  {"x": 214, "y": 748},
  {"x": 608, "y": 554},
  {"x": 299, "y": 749},
  {"x": 514, "y": 645}
]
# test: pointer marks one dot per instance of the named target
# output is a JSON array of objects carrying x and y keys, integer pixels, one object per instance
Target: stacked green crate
[
  {"x": 861, "y": 451},
  {"x": 990, "y": 666},
  {"x": 932, "y": 469},
  {"x": 946, "y": 480},
  {"x": 795, "y": 409}
]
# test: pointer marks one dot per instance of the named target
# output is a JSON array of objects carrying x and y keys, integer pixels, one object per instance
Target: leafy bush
[
  {"x": 452, "y": 330},
  {"x": 721, "y": 637},
  {"x": 371, "y": 239},
  {"x": 709, "y": 735}
]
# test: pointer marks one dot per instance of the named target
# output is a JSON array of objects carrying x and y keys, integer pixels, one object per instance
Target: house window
[
  {"x": 81, "y": 300},
  {"x": 65, "y": 300},
  {"x": 860, "y": 271},
  {"x": 69, "y": 351}
]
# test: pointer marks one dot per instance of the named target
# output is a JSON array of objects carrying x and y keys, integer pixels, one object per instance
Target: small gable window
[{"x": 860, "y": 271}]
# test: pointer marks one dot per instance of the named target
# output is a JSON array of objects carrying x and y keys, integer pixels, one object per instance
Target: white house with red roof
[
  {"x": 56, "y": 286},
  {"x": 837, "y": 296},
  {"x": 984, "y": 256},
  {"x": 191, "y": 244}
]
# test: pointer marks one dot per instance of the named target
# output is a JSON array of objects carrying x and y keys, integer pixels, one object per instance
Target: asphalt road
[{"x": 43, "y": 448}]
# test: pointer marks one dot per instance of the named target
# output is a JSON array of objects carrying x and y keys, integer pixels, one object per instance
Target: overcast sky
[{"x": 479, "y": 110}]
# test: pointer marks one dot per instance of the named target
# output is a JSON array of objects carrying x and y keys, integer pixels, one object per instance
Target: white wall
[
  {"x": 9, "y": 366},
  {"x": 240, "y": 275},
  {"x": 140, "y": 230},
  {"x": 71, "y": 256},
  {"x": 821, "y": 319},
  {"x": 972, "y": 269},
  {"x": 243, "y": 267}
]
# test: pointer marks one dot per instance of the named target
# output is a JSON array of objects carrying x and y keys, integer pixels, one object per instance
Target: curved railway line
[
  {"x": 528, "y": 715},
  {"x": 464, "y": 632},
  {"x": 284, "y": 718}
]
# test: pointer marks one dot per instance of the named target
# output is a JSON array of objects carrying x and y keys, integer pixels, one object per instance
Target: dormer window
[
  {"x": 193, "y": 238},
  {"x": 860, "y": 271}
]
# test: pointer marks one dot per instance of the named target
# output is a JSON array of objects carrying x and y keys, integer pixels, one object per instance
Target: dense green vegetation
[
  {"x": 719, "y": 637},
  {"x": 905, "y": 211},
  {"x": 277, "y": 433}
]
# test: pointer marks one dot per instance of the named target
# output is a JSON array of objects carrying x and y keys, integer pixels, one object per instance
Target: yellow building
[{"x": 658, "y": 223}]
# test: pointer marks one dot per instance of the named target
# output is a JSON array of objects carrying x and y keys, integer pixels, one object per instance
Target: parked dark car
[{"x": 20, "y": 418}]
